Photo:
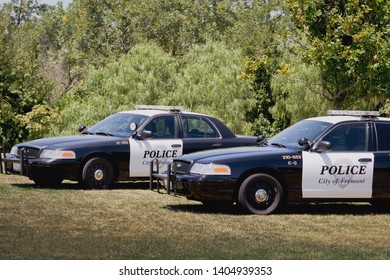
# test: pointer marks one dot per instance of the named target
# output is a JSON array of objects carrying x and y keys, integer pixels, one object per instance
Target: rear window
[
  {"x": 383, "y": 136},
  {"x": 198, "y": 127}
]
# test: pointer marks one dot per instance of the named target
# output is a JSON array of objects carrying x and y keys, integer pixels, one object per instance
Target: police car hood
[
  {"x": 232, "y": 153},
  {"x": 68, "y": 141}
]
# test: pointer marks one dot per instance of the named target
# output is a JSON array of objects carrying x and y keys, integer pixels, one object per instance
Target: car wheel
[
  {"x": 97, "y": 173},
  {"x": 260, "y": 194},
  {"x": 48, "y": 182}
]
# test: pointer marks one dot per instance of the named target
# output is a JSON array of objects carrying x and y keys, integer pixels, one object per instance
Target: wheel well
[
  {"x": 271, "y": 172},
  {"x": 101, "y": 155}
]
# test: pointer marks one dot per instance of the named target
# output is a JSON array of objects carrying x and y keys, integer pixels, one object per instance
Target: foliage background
[{"x": 258, "y": 65}]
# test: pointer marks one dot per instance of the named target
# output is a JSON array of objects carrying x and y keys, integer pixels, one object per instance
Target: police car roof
[
  {"x": 151, "y": 113},
  {"x": 335, "y": 119},
  {"x": 341, "y": 118}
]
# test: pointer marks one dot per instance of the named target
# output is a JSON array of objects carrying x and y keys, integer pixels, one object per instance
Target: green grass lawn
[{"x": 132, "y": 222}]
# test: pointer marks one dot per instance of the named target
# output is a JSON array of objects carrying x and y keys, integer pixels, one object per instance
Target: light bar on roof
[
  {"x": 353, "y": 113},
  {"x": 159, "y": 107}
]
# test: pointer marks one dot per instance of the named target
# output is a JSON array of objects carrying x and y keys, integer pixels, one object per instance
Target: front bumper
[
  {"x": 195, "y": 187},
  {"x": 41, "y": 168}
]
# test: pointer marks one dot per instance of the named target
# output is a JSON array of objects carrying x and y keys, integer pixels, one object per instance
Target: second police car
[
  {"x": 344, "y": 156},
  {"x": 121, "y": 147}
]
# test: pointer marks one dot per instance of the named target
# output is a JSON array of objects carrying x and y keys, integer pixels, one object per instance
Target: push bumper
[
  {"x": 195, "y": 187},
  {"x": 17, "y": 165},
  {"x": 39, "y": 168},
  {"x": 168, "y": 177}
]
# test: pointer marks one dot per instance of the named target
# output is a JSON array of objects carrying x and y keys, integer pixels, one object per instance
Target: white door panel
[
  {"x": 337, "y": 175},
  {"x": 142, "y": 152}
]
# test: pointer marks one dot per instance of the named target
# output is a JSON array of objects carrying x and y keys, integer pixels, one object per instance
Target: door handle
[
  {"x": 175, "y": 145},
  {"x": 216, "y": 145},
  {"x": 362, "y": 160}
]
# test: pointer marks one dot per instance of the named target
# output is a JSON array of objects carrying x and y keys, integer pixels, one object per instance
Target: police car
[
  {"x": 121, "y": 147},
  {"x": 344, "y": 156}
]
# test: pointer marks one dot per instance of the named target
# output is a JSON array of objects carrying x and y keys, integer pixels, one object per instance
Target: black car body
[
  {"x": 121, "y": 147},
  {"x": 332, "y": 158}
]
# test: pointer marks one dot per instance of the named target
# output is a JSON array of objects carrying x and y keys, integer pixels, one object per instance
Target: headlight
[
  {"x": 14, "y": 151},
  {"x": 210, "y": 169},
  {"x": 56, "y": 154}
]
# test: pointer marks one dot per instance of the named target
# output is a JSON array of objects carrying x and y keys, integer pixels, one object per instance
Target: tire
[
  {"x": 97, "y": 173},
  {"x": 260, "y": 194},
  {"x": 48, "y": 182}
]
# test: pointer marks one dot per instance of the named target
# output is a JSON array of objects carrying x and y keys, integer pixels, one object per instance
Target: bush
[{"x": 205, "y": 80}]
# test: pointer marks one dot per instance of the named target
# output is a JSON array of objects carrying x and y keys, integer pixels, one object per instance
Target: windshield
[
  {"x": 117, "y": 125},
  {"x": 289, "y": 137}
]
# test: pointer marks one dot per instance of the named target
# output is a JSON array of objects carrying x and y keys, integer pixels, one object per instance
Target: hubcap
[
  {"x": 261, "y": 196},
  {"x": 99, "y": 174}
]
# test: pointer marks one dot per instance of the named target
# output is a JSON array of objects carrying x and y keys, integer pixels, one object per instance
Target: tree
[
  {"x": 296, "y": 89},
  {"x": 259, "y": 31},
  {"x": 259, "y": 71},
  {"x": 176, "y": 25},
  {"x": 146, "y": 75},
  {"x": 38, "y": 120},
  {"x": 24, "y": 10},
  {"x": 204, "y": 80},
  {"x": 349, "y": 42},
  {"x": 256, "y": 27},
  {"x": 21, "y": 85},
  {"x": 210, "y": 84},
  {"x": 95, "y": 33}
]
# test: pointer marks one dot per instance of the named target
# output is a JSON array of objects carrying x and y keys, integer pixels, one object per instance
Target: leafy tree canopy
[
  {"x": 148, "y": 75},
  {"x": 258, "y": 65},
  {"x": 349, "y": 42}
]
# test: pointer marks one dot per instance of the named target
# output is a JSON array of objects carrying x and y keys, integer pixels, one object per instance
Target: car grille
[
  {"x": 182, "y": 167},
  {"x": 30, "y": 152}
]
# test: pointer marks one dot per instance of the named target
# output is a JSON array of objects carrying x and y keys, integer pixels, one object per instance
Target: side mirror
[
  {"x": 260, "y": 139},
  {"x": 322, "y": 146},
  {"x": 303, "y": 142},
  {"x": 82, "y": 128},
  {"x": 145, "y": 134}
]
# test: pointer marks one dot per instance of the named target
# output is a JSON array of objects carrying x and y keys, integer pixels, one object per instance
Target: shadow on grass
[
  {"x": 335, "y": 209},
  {"x": 206, "y": 209},
  {"x": 294, "y": 209},
  {"x": 74, "y": 186}
]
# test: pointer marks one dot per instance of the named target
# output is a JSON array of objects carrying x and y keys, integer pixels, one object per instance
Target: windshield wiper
[
  {"x": 263, "y": 144},
  {"x": 278, "y": 145},
  {"x": 103, "y": 133},
  {"x": 87, "y": 132}
]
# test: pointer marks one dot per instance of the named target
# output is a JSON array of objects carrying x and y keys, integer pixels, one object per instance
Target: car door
[
  {"x": 344, "y": 171},
  {"x": 199, "y": 134},
  {"x": 162, "y": 144},
  {"x": 382, "y": 160}
]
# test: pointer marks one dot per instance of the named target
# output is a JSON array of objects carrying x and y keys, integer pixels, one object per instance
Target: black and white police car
[
  {"x": 344, "y": 156},
  {"x": 121, "y": 147}
]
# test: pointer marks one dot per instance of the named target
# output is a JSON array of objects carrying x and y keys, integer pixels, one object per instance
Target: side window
[
  {"x": 383, "y": 136},
  {"x": 162, "y": 127},
  {"x": 198, "y": 127},
  {"x": 348, "y": 137}
]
